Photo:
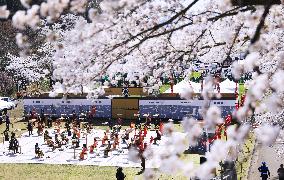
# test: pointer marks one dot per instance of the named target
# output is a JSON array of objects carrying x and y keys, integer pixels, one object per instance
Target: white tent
[
  {"x": 6, "y": 105},
  {"x": 179, "y": 87},
  {"x": 78, "y": 90},
  {"x": 226, "y": 86}
]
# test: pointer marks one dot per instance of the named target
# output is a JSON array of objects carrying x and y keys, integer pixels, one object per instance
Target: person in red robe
[
  {"x": 116, "y": 141},
  {"x": 93, "y": 111},
  {"x": 161, "y": 128},
  {"x": 105, "y": 138},
  {"x": 151, "y": 139},
  {"x": 83, "y": 152},
  {"x": 93, "y": 146},
  {"x": 145, "y": 131}
]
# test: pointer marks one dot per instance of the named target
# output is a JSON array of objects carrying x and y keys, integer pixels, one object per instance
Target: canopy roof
[
  {"x": 4, "y": 105},
  {"x": 226, "y": 86}
]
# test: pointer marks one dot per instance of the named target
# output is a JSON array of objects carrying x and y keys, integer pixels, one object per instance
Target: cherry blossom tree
[
  {"x": 6, "y": 84},
  {"x": 155, "y": 37}
]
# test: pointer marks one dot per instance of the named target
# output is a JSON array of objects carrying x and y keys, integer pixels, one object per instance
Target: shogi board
[{"x": 66, "y": 155}]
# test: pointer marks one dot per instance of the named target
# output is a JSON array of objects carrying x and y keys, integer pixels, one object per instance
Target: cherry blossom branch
[{"x": 261, "y": 23}]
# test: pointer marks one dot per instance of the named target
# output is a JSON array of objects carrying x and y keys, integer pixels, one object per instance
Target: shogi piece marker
[{"x": 253, "y": 2}]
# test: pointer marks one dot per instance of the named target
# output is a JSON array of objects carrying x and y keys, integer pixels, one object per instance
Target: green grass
[
  {"x": 45, "y": 171},
  {"x": 195, "y": 158},
  {"x": 178, "y": 127},
  {"x": 195, "y": 75},
  {"x": 70, "y": 172},
  {"x": 164, "y": 87},
  {"x": 15, "y": 117},
  {"x": 244, "y": 159},
  {"x": 51, "y": 172}
]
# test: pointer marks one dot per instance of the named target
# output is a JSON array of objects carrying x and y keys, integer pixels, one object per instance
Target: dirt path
[{"x": 268, "y": 155}]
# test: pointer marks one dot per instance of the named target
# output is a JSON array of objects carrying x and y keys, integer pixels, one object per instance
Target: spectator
[
  {"x": 119, "y": 121},
  {"x": 36, "y": 148},
  {"x": 6, "y": 135},
  {"x": 49, "y": 122},
  {"x": 264, "y": 171},
  {"x": 5, "y": 111},
  {"x": 1, "y": 119},
  {"x": 119, "y": 174},
  {"x": 30, "y": 128},
  {"x": 42, "y": 117},
  {"x": 280, "y": 172},
  {"x": 19, "y": 95},
  {"x": 8, "y": 122},
  {"x": 110, "y": 123}
]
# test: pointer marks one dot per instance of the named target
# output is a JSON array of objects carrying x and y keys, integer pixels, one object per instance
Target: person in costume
[
  {"x": 119, "y": 174},
  {"x": 158, "y": 137},
  {"x": 264, "y": 171}
]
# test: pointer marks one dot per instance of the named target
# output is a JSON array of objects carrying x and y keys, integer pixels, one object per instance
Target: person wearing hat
[
  {"x": 49, "y": 122},
  {"x": 36, "y": 148},
  {"x": 13, "y": 143},
  {"x": 46, "y": 136},
  {"x": 264, "y": 171},
  {"x": 119, "y": 174},
  {"x": 159, "y": 136},
  {"x": 30, "y": 128},
  {"x": 280, "y": 172},
  {"x": 38, "y": 152},
  {"x": 42, "y": 117},
  {"x": 8, "y": 122},
  {"x": 40, "y": 128},
  {"x": 6, "y": 135},
  {"x": 83, "y": 152},
  {"x": 74, "y": 116}
]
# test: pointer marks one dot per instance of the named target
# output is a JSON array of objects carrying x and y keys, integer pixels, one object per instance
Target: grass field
[
  {"x": 42, "y": 171},
  {"x": 15, "y": 118},
  {"x": 244, "y": 159},
  {"x": 164, "y": 87},
  {"x": 60, "y": 172}
]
